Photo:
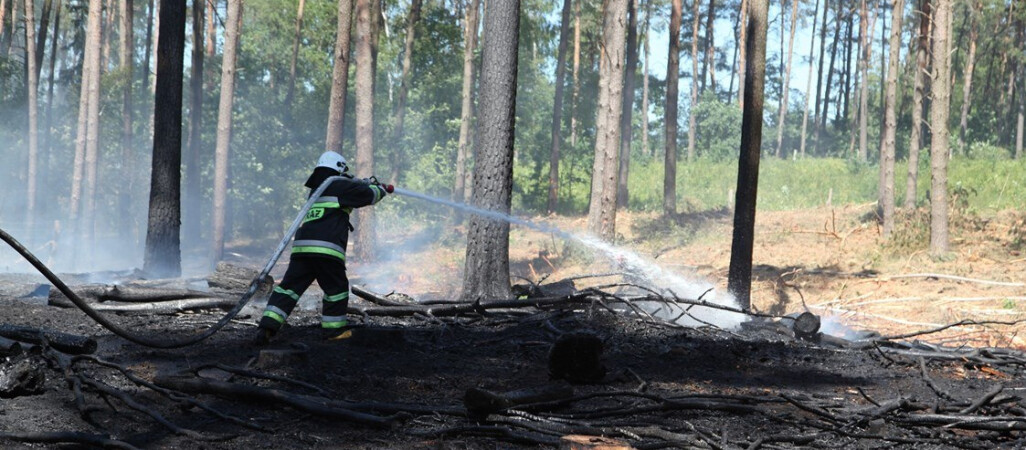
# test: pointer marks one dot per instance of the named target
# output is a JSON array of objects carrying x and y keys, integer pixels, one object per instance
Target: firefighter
[{"x": 319, "y": 249}]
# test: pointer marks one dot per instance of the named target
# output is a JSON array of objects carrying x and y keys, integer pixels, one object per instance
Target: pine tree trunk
[
  {"x": 459, "y": 193},
  {"x": 808, "y": 83},
  {"x": 364, "y": 167},
  {"x": 126, "y": 57},
  {"x": 8, "y": 43},
  {"x": 398, "y": 153},
  {"x": 92, "y": 149},
  {"x": 645, "y": 150},
  {"x": 576, "y": 71},
  {"x": 486, "y": 272},
  {"x": 626, "y": 117},
  {"x": 291, "y": 92},
  {"x": 339, "y": 77},
  {"x": 3, "y": 22},
  {"x": 695, "y": 88},
  {"x": 78, "y": 166},
  {"x": 33, "y": 115},
  {"x": 887, "y": 146},
  {"x": 50, "y": 80},
  {"x": 192, "y": 169},
  {"x": 830, "y": 72},
  {"x": 233, "y": 27},
  {"x": 557, "y": 109},
  {"x": 211, "y": 35},
  {"x": 967, "y": 87},
  {"x": 846, "y": 72},
  {"x": 602, "y": 210},
  {"x": 40, "y": 40},
  {"x": 672, "y": 82},
  {"x": 742, "y": 39},
  {"x": 108, "y": 34},
  {"x": 710, "y": 45},
  {"x": 156, "y": 38},
  {"x": 939, "y": 104},
  {"x": 785, "y": 88},
  {"x": 163, "y": 256},
  {"x": 920, "y": 90},
  {"x": 739, "y": 278},
  {"x": 867, "y": 47},
  {"x": 816, "y": 121},
  {"x": 149, "y": 43}
]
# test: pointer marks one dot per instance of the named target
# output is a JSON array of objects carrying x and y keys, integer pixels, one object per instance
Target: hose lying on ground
[{"x": 159, "y": 342}]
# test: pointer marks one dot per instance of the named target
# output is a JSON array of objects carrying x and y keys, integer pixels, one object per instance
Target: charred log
[
  {"x": 22, "y": 375},
  {"x": 63, "y": 342},
  {"x": 481, "y": 402}
]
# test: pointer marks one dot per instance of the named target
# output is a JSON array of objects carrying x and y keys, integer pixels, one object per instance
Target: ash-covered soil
[{"x": 757, "y": 387}]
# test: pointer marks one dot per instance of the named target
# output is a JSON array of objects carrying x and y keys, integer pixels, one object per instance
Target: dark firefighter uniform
[{"x": 319, "y": 253}]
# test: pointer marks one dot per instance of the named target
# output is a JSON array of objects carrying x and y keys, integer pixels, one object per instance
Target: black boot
[{"x": 263, "y": 336}]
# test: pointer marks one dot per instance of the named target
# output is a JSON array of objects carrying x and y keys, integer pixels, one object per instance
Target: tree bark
[
  {"x": 710, "y": 48},
  {"x": 126, "y": 51},
  {"x": 970, "y": 65},
  {"x": 40, "y": 40},
  {"x": 808, "y": 83},
  {"x": 672, "y": 81},
  {"x": 941, "y": 101},
  {"x": 398, "y": 153},
  {"x": 233, "y": 28},
  {"x": 844, "y": 101},
  {"x": 693, "y": 105},
  {"x": 163, "y": 248},
  {"x": 830, "y": 72},
  {"x": 626, "y": 117},
  {"x": 32, "y": 87},
  {"x": 867, "y": 48},
  {"x": 3, "y": 21},
  {"x": 211, "y": 35},
  {"x": 364, "y": 218},
  {"x": 920, "y": 90},
  {"x": 785, "y": 88},
  {"x": 149, "y": 43},
  {"x": 819, "y": 79},
  {"x": 486, "y": 273},
  {"x": 92, "y": 148},
  {"x": 459, "y": 193},
  {"x": 192, "y": 169},
  {"x": 291, "y": 92},
  {"x": 739, "y": 281},
  {"x": 887, "y": 150},
  {"x": 576, "y": 70},
  {"x": 602, "y": 210},
  {"x": 52, "y": 75},
  {"x": 557, "y": 109},
  {"x": 742, "y": 39},
  {"x": 645, "y": 150},
  {"x": 339, "y": 77}
]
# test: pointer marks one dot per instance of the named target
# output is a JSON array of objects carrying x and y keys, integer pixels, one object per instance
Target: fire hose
[{"x": 171, "y": 343}]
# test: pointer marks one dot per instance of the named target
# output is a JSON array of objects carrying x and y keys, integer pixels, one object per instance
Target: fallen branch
[
  {"x": 274, "y": 397},
  {"x": 169, "y": 306},
  {"x": 58, "y": 437}
]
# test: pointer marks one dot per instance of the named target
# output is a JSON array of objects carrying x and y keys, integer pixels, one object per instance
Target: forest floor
[{"x": 664, "y": 385}]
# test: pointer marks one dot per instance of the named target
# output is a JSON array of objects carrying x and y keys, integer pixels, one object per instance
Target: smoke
[{"x": 638, "y": 269}]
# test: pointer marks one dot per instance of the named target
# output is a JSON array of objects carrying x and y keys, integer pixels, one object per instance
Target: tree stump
[
  {"x": 236, "y": 279},
  {"x": 806, "y": 325},
  {"x": 577, "y": 358}
]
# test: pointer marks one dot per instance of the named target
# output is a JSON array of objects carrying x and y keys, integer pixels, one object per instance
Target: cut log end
[{"x": 806, "y": 325}]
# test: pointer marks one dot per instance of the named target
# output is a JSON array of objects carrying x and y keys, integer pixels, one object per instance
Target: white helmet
[{"x": 333, "y": 161}]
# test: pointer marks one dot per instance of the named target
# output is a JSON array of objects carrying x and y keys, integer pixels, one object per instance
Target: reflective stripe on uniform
[
  {"x": 287, "y": 292},
  {"x": 277, "y": 310},
  {"x": 327, "y": 199},
  {"x": 333, "y": 321},
  {"x": 277, "y": 317},
  {"x": 336, "y": 297},
  {"x": 318, "y": 247}
]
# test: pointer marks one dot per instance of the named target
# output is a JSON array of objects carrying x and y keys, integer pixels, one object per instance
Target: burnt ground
[{"x": 665, "y": 386}]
